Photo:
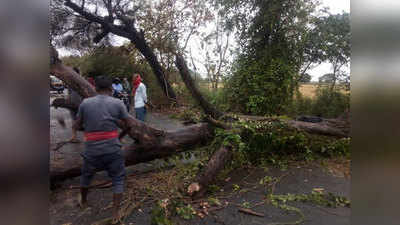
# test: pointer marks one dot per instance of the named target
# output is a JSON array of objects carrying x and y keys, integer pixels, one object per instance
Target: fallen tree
[
  {"x": 152, "y": 143},
  {"x": 329, "y": 127},
  {"x": 170, "y": 143}
]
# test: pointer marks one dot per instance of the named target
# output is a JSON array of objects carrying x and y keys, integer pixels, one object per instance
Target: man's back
[{"x": 100, "y": 114}]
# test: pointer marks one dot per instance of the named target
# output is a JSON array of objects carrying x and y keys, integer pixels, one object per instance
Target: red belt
[{"x": 101, "y": 135}]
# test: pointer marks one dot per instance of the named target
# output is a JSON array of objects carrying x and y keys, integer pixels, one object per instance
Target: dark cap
[{"x": 103, "y": 83}]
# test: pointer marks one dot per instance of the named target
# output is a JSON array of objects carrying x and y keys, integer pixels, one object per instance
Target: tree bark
[
  {"x": 63, "y": 103},
  {"x": 69, "y": 76},
  {"x": 327, "y": 127},
  {"x": 147, "y": 52},
  {"x": 214, "y": 166},
  {"x": 172, "y": 143},
  {"x": 187, "y": 79}
]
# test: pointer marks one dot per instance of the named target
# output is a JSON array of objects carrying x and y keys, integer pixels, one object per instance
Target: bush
[
  {"x": 301, "y": 106},
  {"x": 260, "y": 142},
  {"x": 330, "y": 103},
  {"x": 327, "y": 103},
  {"x": 262, "y": 87},
  {"x": 216, "y": 97}
]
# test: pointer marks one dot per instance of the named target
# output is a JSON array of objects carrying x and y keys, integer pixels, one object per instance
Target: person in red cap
[{"x": 140, "y": 97}]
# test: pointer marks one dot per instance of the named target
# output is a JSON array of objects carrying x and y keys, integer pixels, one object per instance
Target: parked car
[{"x": 56, "y": 84}]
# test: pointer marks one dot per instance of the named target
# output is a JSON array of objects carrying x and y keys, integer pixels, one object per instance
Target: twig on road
[{"x": 250, "y": 212}]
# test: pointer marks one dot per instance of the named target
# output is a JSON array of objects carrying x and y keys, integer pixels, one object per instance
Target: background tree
[
  {"x": 271, "y": 37},
  {"x": 334, "y": 35},
  {"x": 327, "y": 78},
  {"x": 216, "y": 45},
  {"x": 305, "y": 78},
  {"x": 169, "y": 25}
]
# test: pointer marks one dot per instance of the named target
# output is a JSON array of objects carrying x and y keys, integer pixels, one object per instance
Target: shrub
[
  {"x": 330, "y": 103},
  {"x": 327, "y": 103},
  {"x": 260, "y": 142},
  {"x": 262, "y": 87},
  {"x": 301, "y": 105}
]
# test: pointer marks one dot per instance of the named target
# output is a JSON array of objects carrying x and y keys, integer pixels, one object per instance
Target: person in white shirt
[{"x": 140, "y": 97}]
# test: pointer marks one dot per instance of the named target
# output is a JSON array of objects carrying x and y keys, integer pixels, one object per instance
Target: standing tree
[
  {"x": 327, "y": 78},
  {"x": 333, "y": 32},
  {"x": 216, "y": 45},
  {"x": 272, "y": 37},
  {"x": 305, "y": 78},
  {"x": 169, "y": 25}
]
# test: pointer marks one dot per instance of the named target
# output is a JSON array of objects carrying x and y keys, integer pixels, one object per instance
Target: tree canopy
[
  {"x": 275, "y": 42},
  {"x": 333, "y": 39}
]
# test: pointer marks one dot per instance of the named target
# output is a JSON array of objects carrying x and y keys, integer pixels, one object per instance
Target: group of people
[
  {"x": 137, "y": 91},
  {"x": 98, "y": 117}
]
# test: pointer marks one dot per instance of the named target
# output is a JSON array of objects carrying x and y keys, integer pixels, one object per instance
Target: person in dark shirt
[{"x": 99, "y": 116}]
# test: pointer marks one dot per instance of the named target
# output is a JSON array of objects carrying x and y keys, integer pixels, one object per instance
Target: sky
[{"x": 335, "y": 6}]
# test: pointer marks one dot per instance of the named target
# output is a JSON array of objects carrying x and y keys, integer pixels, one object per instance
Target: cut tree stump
[{"x": 214, "y": 166}]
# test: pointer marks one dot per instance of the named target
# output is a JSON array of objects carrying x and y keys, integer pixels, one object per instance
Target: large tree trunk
[
  {"x": 319, "y": 128},
  {"x": 329, "y": 127},
  {"x": 147, "y": 52},
  {"x": 187, "y": 79},
  {"x": 171, "y": 143}
]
